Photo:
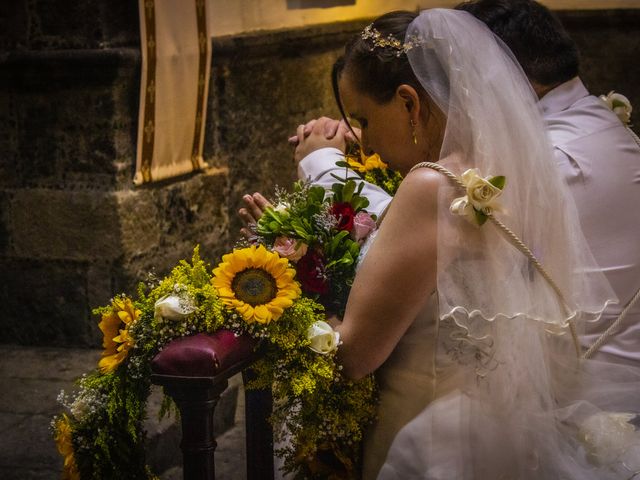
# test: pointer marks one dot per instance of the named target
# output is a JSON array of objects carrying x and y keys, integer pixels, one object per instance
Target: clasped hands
[{"x": 314, "y": 135}]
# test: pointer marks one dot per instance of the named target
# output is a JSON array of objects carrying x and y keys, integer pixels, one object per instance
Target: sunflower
[
  {"x": 63, "y": 438},
  {"x": 115, "y": 325},
  {"x": 257, "y": 283}
]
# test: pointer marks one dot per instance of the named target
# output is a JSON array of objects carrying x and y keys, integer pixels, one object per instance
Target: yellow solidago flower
[
  {"x": 257, "y": 283},
  {"x": 115, "y": 327},
  {"x": 363, "y": 163},
  {"x": 63, "y": 438}
]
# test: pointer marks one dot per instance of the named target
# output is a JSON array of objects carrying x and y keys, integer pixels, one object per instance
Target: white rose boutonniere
[
  {"x": 324, "y": 339},
  {"x": 173, "y": 307},
  {"x": 619, "y": 104},
  {"x": 481, "y": 198}
]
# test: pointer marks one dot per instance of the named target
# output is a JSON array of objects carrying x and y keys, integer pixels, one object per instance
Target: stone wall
[{"x": 73, "y": 229}]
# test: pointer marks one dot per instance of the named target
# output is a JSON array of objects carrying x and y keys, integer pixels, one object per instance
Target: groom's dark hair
[{"x": 544, "y": 49}]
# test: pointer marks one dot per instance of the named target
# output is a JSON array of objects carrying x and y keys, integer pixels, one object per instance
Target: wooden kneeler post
[{"x": 194, "y": 372}]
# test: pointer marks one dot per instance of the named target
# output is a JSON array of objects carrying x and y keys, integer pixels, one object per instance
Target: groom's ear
[{"x": 410, "y": 99}]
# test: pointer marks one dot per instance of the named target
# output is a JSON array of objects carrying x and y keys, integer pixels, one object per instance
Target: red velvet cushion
[{"x": 202, "y": 355}]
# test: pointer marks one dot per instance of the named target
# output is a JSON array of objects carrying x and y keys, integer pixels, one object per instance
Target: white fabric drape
[{"x": 176, "y": 62}]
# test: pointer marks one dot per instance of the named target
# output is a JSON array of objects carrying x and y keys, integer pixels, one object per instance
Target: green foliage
[{"x": 387, "y": 179}]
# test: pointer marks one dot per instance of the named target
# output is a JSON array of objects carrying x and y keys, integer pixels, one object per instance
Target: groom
[{"x": 596, "y": 154}]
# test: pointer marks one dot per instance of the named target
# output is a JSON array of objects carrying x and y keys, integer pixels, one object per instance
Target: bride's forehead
[{"x": 352, "y": 97}]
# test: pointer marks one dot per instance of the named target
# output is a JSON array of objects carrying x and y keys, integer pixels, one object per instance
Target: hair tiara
[{"x": 378, "y": 40}]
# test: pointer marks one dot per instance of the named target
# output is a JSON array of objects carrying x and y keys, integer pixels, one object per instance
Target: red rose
[
  {"x": 310, "y": 273},
  {"x": 344, "y": 212}
]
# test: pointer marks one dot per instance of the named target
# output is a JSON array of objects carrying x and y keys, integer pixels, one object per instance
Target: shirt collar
[{"x": 563, "y": 96}]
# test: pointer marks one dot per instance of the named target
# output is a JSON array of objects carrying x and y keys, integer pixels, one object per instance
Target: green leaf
[
  {"x": 481, "y": 218},
  {"x": 347, "y": 192},
  {"x": 316, "y": 194},
  {"x": 359, "y": 203},
  {"x": 342, "y": 163},
  {"x": 498, "y": 181}
]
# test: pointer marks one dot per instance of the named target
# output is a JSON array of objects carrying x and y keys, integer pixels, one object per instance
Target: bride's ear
[{"x": 410, "y": 100}]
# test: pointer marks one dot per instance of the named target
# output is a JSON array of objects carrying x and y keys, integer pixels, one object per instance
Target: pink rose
[
  {"x": 289, "y": 248},
  {"x": 363, "y": 225}
]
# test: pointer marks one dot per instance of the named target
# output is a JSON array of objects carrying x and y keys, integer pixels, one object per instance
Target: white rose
[
  {"x": 323, "y": 338},
  {"x": 461, "y": 206},
  {"x": 172, "y": 307},
  {"x": 620, "y": 105},
  {"x": 480, "y": 192}
]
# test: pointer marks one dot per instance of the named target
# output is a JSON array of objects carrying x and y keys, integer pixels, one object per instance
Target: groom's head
[{"x": 545, "y": 50}]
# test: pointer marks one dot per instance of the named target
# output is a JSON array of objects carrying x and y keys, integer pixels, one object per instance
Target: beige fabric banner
[{"x": 176, "y": 62}]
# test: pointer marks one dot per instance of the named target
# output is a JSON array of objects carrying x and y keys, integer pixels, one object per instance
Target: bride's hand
[
  {"x": 317, "y": 138},
  {"x": 334, "y": 321}
]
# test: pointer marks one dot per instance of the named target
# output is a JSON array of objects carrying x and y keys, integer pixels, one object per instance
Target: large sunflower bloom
[
  {"x": 116, "y": 338},
  {"x": 257, "y": 283},
  {"x": 63, "y": 438}
]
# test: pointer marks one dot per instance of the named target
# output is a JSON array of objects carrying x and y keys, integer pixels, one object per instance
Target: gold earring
[{"x": 413, "y": 132}]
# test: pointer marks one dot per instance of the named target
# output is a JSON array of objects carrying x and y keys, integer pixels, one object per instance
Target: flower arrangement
[
  {"x": 277, "y": 289},
  {"x": 321, "y": 233}
]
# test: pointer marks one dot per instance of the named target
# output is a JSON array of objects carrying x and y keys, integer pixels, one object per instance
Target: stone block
[
  {"x": 68, "y": 225},
  {"x": 81, "y": 24},
  {"x": 14, "y": 25},
  {"x": 10, "y": 168},
  {"x": 36, "y": 450},
  {"x": 183, "y": 214},
  {"x": 53, "y": 364},
  {"x": 608, "y": 41},
  {"x": 32, "y": 396},
  {"x": 45, "y": 303},
  {"x": 5, "y": 243}
]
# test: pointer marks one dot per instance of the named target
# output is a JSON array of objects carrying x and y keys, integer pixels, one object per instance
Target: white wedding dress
[
  {"x": 486, "y": 384},
  {"x": 437, "y": 420}
]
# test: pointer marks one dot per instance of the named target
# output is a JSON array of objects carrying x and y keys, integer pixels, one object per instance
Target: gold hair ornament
[{"x": 389, "y": 41}]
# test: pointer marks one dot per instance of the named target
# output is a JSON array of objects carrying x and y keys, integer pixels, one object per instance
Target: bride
[{"x": 472, "y": 340}]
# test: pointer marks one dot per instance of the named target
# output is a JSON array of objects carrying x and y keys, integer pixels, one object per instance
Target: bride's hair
[{"x": 375, "y": 69}]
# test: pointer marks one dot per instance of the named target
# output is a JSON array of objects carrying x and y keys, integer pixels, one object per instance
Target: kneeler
[{"x": 194, "y": 372}]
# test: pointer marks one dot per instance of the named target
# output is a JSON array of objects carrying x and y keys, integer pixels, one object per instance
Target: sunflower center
[{"x": 254, "y": 286}]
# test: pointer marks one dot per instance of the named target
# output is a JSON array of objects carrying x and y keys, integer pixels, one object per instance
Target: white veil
[
  {"x": 493, "y": 124},
  {"x": 513, "y": 399}
]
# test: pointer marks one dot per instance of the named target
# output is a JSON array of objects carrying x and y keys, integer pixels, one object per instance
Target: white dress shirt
[
  {"x": 601, "y": 162},
  {"x": 320, "y": 164}
]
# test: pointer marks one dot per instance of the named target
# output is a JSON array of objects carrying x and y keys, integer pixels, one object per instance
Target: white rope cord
[
  {"x": 634, "y": 135},
  {"x": 607, "y": 333},
  {"x": 515, "y": 241}
]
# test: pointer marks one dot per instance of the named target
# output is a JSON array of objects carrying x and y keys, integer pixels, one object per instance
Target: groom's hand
[
  {"x": 254, "y": 207},
  {"x": 331, "y": 129},
  {"x": 317, "y": 139}
]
